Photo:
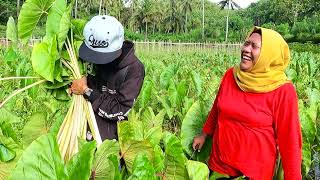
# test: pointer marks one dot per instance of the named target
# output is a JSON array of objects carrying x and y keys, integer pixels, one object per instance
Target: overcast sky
[{"x": 242, "y": 3}]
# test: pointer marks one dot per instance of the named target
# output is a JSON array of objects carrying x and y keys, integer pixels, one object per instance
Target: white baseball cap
[{"x": 104, "y": 36}]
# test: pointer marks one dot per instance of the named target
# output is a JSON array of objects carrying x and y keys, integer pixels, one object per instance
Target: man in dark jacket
[{"x": 119, "y": 73}]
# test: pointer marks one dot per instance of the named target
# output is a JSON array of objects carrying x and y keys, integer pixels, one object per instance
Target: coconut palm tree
[
  {"x": 114, "y": 8},
  {"x": 202, "y": 19},
  {"x": 186, "y": 9},
  {"x": 229, "y": 5},
  {"x": 148, "y": 14},
  {"x": 84, "y": 8},
  {"x": 159, "y": 10},
  {"x": 174, "y": 20},
  {"x": 18, "y": 7}
]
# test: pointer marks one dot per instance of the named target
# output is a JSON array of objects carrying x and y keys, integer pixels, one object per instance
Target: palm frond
[
  {"x": 223, "y": 4},
  {"x": 235, "y": 4}
]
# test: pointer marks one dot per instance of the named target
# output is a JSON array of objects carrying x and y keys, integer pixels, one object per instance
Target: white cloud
[{"x": 241, "y": 3}]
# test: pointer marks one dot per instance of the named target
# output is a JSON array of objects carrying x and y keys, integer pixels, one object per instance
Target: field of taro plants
[{"x": 155, "y": 142}]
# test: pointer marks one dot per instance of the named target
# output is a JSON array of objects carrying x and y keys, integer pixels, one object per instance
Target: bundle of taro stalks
[{"x": 79, "y": 116}]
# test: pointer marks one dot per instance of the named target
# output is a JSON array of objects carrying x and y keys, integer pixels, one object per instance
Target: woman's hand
[
  {"x": 198, "y": 141},
  {"x": 79, "y": 85}
]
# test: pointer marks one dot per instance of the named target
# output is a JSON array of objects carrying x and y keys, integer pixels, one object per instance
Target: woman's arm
[{"x": 288, "y": 132}]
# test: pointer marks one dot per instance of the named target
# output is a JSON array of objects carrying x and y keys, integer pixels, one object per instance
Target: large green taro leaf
[
  {"x": 30, "y": 14},
  {"x": 7, "y": 149},
  {"x": 59, "y": 21},
  {"x": 105, "y": 163},
  {"x": 79, "y": 166},
  {"x": 175, "y": 160},
  {"x": 132, "y": 142},
  {"x": 142, "y": 169},
  {"x": 11, "y": 31},
  {"x": 41, "y": 160},
  {"x": 197, "y": 170},
  {"x": 44, "y": 56},
  {"x": 191, "y": 127},
  {"x": 34, "y": 128}
]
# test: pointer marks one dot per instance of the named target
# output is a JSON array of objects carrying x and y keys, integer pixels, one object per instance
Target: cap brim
[{"x": 97, "y": 57}]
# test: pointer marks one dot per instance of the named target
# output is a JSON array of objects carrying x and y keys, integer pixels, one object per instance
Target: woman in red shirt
[{"x": 255, "y": 114}]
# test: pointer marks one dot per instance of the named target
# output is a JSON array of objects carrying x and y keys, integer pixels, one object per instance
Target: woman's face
[{"x": 250, "y": 51}]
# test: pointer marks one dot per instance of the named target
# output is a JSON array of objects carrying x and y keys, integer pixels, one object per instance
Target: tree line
[{"x": 198, "y": 20}]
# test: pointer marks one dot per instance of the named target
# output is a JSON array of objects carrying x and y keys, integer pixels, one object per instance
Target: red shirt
[{"x": 248, "y": 127}]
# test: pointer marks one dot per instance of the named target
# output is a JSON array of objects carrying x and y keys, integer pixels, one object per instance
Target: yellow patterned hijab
[{"x": 267, "y": 73}]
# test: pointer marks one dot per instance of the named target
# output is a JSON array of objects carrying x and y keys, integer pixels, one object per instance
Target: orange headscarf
[{"x": 267, "y": 73}]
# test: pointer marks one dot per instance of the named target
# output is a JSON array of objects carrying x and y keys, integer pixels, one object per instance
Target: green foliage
[
  {"x": 178, "y": 20},
  {"x": 167, "y": 75},
  {"x": 176, "y": 100},
  {"x": 175, "y": 160},
  {"x": 10, "y": 55},
  {"x": 197, "y": 81},
  {"x": 7, "y": 149},
  {"x": 30, "y": 14},
  {"x": 12, "y": 32},
  {"x": 159, "y": 159},
  {"x": 176, "y": 93},
  {"x": 132, "y": 148},
  {"x": 6, "y": 128},
  {"x": 306, "y": 158},
  {"x": 7, "y": 167},
  {"x": 9, "y": 8},
  {"x": 132, "y": 142},
  {"x": 79, "y": 167},
  {"x": 303, "y": 73},
  {"x": 106, "y": 160},
  {"x": 10, "y": 148},
  {"x": 34, "y": 128},
  {"x": 40, "y": 162},
  {"x": 197, "y": 170},
  {"x": 145, "y": 94},
  {"x": 58, "y": 21},
  {"x": 77, "y": 27},
  {"x": 114, "y": 174},
  {"x": 55, "y": 126},
  {"x": 153, "y": 135},
  {"x": 191, "y": 127},
  {"x": 142, "y": 168},
  {"x": 44, "y": 57},
  {"x": 299, "y": 21},
  {"x": 60, "y": 93}
]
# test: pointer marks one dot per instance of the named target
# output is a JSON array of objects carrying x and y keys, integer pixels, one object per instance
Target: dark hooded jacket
[{"x": 116, "y": 86}]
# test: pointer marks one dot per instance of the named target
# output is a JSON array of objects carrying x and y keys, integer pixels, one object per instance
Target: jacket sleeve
[
  {"x": 288, "y": 133},
  {"x": 116, "y": 105},
  {"x": 91, "y": 80}
]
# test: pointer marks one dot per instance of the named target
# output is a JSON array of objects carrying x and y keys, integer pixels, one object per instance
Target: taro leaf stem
[{"x": 21, "y": 90}]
